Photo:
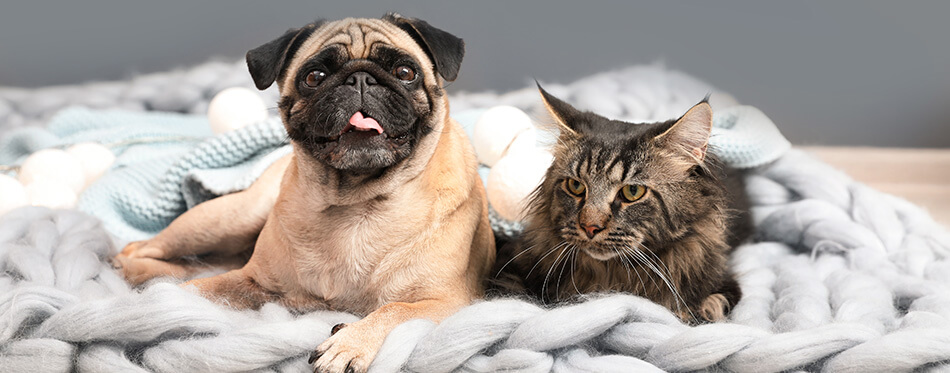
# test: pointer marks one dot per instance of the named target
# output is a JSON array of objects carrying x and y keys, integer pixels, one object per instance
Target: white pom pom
[
  {"x": 234, "y": 108},
  {"x": 55, "y": 166},
  {"x": 526, "y": 141},
  {"x": 495, "y": 130},
  {"x": 52, "y": 194},
  {"x": 12, "y": 194},
  {"x": 94, "y": 158},
  {"x": 513, "y": 178}
]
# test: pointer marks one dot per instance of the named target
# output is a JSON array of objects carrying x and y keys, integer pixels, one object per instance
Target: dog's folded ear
[
  {"x": 268, "y": 62},
  {"x": 444, "y": 49}
]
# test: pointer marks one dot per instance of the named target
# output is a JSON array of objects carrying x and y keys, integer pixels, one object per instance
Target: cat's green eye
[
  {"x": 575, "y": 187},
  {"x": 632, "y": 193}
]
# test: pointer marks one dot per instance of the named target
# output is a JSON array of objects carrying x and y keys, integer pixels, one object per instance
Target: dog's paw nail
[
  {"x": 337, "y": 328},
  {"x": 313, "y": 357},
  {"x": 350, "y": 370}
]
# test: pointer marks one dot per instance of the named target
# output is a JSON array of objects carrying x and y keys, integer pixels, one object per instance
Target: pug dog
[{"x": 378, "y": 211}]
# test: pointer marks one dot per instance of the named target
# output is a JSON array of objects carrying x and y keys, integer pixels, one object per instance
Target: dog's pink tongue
[{"x": 365, "y": 124}]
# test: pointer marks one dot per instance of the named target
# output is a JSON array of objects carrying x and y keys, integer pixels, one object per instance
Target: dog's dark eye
[
  {"x": 314, "y": 78},
  {"x": 404, "y": 73}
]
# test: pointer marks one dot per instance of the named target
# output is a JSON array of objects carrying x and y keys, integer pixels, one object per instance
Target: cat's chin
[{"x": 601, "y": 255}]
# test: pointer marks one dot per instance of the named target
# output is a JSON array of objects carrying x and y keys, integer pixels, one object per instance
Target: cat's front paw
[{"x": 714, "y": 308}]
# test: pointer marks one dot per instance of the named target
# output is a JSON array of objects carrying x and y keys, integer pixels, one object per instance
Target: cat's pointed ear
[
  {"x": 689, "y": 135},
  {"x": 562, "y": 112}
]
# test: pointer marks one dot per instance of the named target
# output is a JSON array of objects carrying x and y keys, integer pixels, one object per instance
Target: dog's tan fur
[{"x": 414, "y": 243}]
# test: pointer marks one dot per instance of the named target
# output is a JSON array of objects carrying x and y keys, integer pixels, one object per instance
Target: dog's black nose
[{"x": 360, "y": 80}]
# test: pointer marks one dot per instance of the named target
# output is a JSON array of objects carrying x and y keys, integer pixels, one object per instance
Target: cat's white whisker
[
  {"x": 639, "y": 263},
  {"x": 544, "y": 285},
  {"x": 624, "y": 261},
  {"x": 560, "y": 275},
  {"x": 574, "y": 259},
  {"x": 545, "y": 256},
  {"x": 513, "y": 259},
  {"x": 676, "y": 295},
  {"x": 630, "y": 261},
  {"x": 658, "y": 260},
  {"x": 648, "y": 263},
  {"x": 634, "y": 254}
]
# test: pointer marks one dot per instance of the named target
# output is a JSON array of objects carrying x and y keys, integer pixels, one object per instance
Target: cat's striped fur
[{"x": 670, "y": 245}]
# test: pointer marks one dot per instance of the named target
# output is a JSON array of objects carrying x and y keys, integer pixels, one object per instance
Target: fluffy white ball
[
  {"x": 12, "y": 194},
  {"x": 55, "y": 166},
  {"x": 495, "y": 130},
  {"x": 234, "y": 108},
  {"x": 526, "y": 141},
  {"x": 513, "y": 178},
  {"x": 94, "y": 158},
  {"x": 52, "y": 194}
]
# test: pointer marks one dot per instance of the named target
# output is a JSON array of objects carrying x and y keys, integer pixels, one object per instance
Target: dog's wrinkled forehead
[{"x": 359, "y": 36}]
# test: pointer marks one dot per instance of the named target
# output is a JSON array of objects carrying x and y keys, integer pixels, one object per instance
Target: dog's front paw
[
  {"x": 143, "y": 249},
  {"x": 139, "y": 270},
  {"x": 348, "y": 350}
]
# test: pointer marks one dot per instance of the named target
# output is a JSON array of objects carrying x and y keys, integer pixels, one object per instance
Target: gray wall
[{"x": 852, "y": 73}]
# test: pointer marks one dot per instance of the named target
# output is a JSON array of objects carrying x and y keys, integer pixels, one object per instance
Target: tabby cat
[{"x": 638, "y": 208}]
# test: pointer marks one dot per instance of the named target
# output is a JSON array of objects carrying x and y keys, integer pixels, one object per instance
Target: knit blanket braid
[{"x": 840, "y": 277}]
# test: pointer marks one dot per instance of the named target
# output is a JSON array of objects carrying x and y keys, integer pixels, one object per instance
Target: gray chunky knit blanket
[{"x": 840, "y": 277}]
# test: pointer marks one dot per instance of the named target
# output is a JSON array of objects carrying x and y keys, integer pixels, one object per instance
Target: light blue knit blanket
[{"x": 167, "y": 163}]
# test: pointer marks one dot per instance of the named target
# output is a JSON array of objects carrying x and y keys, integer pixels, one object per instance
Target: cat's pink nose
[{"x": 592, "y": 230}]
